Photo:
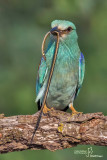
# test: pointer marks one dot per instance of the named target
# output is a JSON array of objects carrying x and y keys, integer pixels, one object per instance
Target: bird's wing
[
  {"x": 41, "y": 77},
  {"x": 81, "y": 73}
]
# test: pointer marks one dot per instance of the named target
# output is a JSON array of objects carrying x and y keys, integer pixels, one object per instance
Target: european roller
[{"x": 68, "y": 72}]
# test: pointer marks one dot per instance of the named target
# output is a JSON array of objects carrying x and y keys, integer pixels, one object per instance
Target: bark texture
[{"x": 57, "y": 130}]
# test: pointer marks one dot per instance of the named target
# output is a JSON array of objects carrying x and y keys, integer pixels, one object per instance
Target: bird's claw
[
  {"x": 46, "y": 109},
  {"x": 76, "y": 113}
]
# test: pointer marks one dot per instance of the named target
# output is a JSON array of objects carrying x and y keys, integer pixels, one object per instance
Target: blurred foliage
[{"x": 23, "y": 25}]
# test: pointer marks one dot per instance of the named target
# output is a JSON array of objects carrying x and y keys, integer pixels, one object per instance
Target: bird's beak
[{"x": 54, "y": 30}]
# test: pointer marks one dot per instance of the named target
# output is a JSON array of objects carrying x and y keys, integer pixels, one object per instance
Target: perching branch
[{"x": 57, "y": 130}]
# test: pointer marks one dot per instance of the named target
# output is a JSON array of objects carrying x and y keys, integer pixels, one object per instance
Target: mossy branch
[{"x": 57, "y": 130}]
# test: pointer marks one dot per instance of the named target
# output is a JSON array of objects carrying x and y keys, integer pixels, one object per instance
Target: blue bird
[{"x": 69, "y": 69}]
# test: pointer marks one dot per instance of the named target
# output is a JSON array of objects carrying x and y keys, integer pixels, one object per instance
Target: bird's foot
[
  {"x": 74, "y": 112},
  {"x": 46, "y": 109}
]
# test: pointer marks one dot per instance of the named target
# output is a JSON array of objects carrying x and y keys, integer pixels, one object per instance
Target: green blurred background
[{"x": 23, "y": 25}]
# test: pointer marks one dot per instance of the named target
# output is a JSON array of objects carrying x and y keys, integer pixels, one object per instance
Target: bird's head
[{"x": 66, "y": 30}]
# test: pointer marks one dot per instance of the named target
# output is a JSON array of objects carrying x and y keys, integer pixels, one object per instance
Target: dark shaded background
[{"x": 23, "y": 25}]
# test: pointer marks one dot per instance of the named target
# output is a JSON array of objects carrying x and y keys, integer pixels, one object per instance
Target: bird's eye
[{"x": 69, "y": 29}]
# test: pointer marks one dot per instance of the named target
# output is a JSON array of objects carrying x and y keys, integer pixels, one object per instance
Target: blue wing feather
[
  {"x": 40, "y": 76},
  {"x": 81, "y": 73}
]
